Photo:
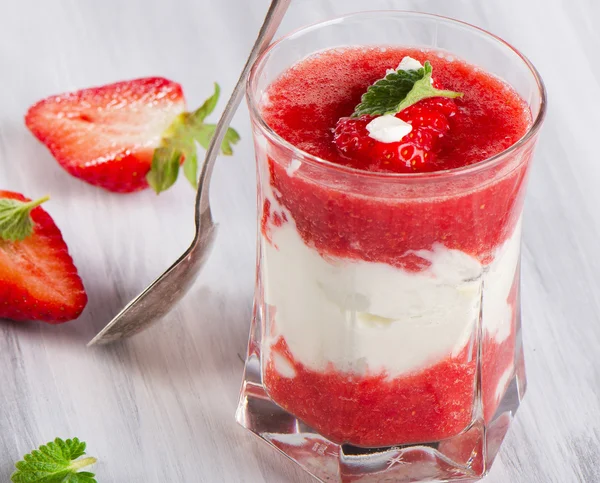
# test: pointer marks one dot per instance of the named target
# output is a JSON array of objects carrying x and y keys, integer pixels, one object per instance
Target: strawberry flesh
[
  {"x": 107, "y": 135},
  {"x": 415, "y": 152},
  {"x": 38, "y": 280}
]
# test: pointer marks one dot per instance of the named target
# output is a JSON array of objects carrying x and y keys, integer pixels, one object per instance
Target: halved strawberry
[
  {"x": 38, "y": 280},
  {"x": 109, "y": 135}
]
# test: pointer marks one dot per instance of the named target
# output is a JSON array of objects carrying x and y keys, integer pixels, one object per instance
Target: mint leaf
[
  {"x": 55, "y": 462},
  {"x": 399, "y": 90},
  {"x": 386, "y": 94},
  {"x": 15, "y": 218},
  {"x": 423, "y": 89},
  {"x": 179, "y": 141},
  {"x": 83, "y": 477}
]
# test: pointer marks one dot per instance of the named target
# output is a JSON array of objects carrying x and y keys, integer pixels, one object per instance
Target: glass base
[{"x": 465, "y": 457}]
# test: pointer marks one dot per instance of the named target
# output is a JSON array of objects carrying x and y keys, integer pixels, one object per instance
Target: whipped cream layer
[{"x": 358, "y": 316}]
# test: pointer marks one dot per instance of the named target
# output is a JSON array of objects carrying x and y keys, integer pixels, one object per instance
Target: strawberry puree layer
[
  {"x": 350, "y": 225},
  {"x": 303, "y": 107},
  {"x": 373, "y": 411},
  {"x": 322, "y": 351}
]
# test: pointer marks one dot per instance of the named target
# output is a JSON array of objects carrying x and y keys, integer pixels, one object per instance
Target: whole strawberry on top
[
  {"x": 128, "y": 135},
  {"x": 399, "y": 123},
  {"x": 38, "y": 280}
]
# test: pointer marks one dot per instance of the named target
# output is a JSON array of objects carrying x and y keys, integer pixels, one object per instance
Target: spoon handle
[{"x": 270, "y": 25}]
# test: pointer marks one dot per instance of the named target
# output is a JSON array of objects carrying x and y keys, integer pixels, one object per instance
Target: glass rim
[{"x": 489, "y": 162}]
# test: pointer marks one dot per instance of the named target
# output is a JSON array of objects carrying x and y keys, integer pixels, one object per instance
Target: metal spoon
[{"x": 163, "y": 294}]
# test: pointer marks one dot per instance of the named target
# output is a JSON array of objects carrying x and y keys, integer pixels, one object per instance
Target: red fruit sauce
[{"x": 475, "y": 216}]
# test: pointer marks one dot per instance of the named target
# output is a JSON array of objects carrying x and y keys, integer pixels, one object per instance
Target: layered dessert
[{"x": 389, "y": 244}]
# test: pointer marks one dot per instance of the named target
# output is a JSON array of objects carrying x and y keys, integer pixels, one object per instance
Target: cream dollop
[
  {"x": 388, "y": 129},
  {"x": 407, "y": 63}
]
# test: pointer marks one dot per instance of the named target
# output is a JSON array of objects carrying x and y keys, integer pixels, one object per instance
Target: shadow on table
[
  {"x": 206, "y": 335},
  {"x": 104, "y": 302}
]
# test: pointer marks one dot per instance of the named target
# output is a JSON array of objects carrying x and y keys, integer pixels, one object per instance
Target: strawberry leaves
[
  {"x": 165, "y": 168},
  {"x": 399, "y": 90},
  {"x": 15, "y": 218},
  {"x": 179, "y": 141},
  {"x": 55, "y": 462}
]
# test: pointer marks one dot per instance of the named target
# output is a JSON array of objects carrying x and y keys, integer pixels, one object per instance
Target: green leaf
[
  {"x": 190, "y": 169},
  {"x": 231, "y": 137},
  {"x": 83, "y": 477},
  {"x": 15, "y": 218},
  {"x": 205, "y": 133},
  {"x": 180, "y": 140},
  {"x": 399, "y": 90},
  {"x": 209, "y": 105},
  {"x": 165, "y": 168},
  {"x": 55, "y": 462}
]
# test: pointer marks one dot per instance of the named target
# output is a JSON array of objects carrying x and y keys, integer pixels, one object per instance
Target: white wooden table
[{"x": 159, "y": 408}]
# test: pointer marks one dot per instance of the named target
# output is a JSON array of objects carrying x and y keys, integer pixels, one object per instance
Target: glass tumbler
[{"x": 407, "y": 366}]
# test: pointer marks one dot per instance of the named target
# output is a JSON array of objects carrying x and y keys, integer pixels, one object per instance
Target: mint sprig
[
  {"x": 180, "y": 139},
  {"x": 15, "y": 218},
  {"x": 399, "y": 90},
  {"x": 55, "y": 462}
]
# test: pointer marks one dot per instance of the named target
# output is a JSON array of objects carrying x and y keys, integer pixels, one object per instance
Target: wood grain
[{"x": 160, "y": 407}]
